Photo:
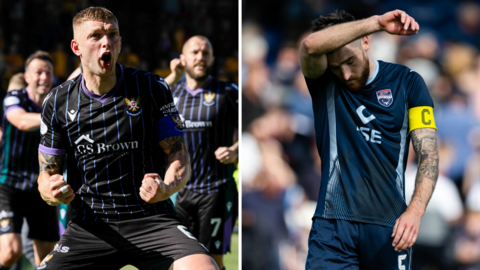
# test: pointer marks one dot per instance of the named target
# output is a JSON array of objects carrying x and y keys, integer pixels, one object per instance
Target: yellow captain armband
[{"x": 421, "y": 117}]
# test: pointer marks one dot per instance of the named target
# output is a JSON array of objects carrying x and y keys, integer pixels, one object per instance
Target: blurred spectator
[
  {"x": 159, "y": 28},
  {"x": 128, "y": 58},
  {"x": 467, "y": 237},
  {"x": 60, "y": 58}
]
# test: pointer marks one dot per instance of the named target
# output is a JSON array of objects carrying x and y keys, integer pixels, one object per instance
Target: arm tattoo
[
  {"x": 172, "y": 145},
  {"x": 425, "y": 146},
  {"x": 51, "y": 163}
]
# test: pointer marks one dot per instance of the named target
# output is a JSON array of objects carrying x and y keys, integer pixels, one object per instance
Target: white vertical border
[{"x": 240, "y": 152}]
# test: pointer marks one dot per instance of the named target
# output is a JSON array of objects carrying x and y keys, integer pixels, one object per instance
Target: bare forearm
[
  {"x": 179, "y": 170},
  {"x": 234, "y": 147},
  {"x": 44, "y": 186},
  {"x": 425, "y": 146},
  {"x": 30, "y": 121},
  {"x": 172, "y": 79},
  {"x": 178, "y": 173},
  {"x": 334, "y": 37},
  {"x": 23, "y": 120},
  {"x": 49, "y": 165}
]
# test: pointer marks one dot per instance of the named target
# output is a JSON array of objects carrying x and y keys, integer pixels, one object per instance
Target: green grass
[{"x": 231, "y": 259}]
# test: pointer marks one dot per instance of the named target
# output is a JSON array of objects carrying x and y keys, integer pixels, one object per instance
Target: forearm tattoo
[
  {"x": 425, "y": 145},
  {"x": 51, "y": 163},
  {"x": 172, "y": 145}
]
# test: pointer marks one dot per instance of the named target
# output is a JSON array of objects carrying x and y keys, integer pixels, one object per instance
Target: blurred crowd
[
  {"x": 280, "y": 162},
  {"x": 153, "y": 33}
]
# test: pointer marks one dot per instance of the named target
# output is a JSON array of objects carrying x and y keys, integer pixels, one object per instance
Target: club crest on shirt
[
  {"x": 385, "y": 97},
  {"x": 208, "y": 99},
  {"x": 178, "y": 122},
  {"x": 133, "y": 106},
  {"x": 5, "y": 225}
]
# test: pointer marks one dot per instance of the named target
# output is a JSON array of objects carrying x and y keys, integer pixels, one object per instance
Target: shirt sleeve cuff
[
  {"x": 51, "y": 151},
  {"x": 13, "y": 107}
]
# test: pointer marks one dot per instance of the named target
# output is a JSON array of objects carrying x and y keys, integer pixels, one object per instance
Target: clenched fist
[
  {"x": 60, "y": 191},
  {"x": 153, "y": 189}
]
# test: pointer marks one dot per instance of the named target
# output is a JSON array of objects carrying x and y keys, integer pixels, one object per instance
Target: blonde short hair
[
  {"x": 93, "y": 14},
  {"x": 38, "y": 55}
]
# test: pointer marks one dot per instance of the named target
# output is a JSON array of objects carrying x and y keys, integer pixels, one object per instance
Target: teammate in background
[
  {"x": 18, "y": 82},
  {"x": 208, "y": 109},
  {"x": 366, "y": 111},
  {"x": 19, "y": 196},
  {"x": 109, "y": 121}
]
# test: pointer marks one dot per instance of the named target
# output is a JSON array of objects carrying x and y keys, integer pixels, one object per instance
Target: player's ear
[
  {"x": 75, "y": 47},
  {"x": 365, "y": 43},
  {"x": 26, "y": 76},
  {"x": 182, "y": 60}
]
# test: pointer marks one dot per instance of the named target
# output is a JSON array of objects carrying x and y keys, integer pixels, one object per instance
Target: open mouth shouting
[{"x": 106, "y": 60}]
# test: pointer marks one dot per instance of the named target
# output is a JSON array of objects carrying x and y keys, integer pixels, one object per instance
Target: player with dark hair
[
  {"x": 19, "y": 196},
  {"x": 111, "y": 121},
  {"x": 209, "y": 112},
  {"x": 366, "y": 111}
]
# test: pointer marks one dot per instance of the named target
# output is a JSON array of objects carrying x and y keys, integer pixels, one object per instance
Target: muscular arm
[
  {"x": 178, "y": 169},
  {"x": 313, "y": 60},
  {"x": 50, "y": 179},
  {"x": 406, "y": 227},
  {"x": 24, "y": 121},
  {"x": 424, "y": 142},
  {"x": 177, "y": 72}
]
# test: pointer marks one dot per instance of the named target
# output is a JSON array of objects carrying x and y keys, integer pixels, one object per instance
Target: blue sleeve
[
  {"x": 417, "y": 91},
  {"x": 317, "y": 86}
]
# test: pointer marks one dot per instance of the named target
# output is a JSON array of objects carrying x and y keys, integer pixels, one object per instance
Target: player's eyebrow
[
  {"x": 113, "y": 28},
  {"x": 348, "y": 59}
]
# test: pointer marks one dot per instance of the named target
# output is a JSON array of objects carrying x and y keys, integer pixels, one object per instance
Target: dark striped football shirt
[
  {"x": 111, "y": 142},
  {"x": 19, "y": 163},
  {"x": 210, "y": 117}
]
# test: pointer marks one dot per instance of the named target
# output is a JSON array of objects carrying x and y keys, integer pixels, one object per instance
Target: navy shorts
[{"x": 336, "y": 244}]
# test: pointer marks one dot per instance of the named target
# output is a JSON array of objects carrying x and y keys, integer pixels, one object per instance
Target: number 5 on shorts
[
  {"x": 217, "y": 222},
  {"x": 400, "y": 261},
  {"x": 185, "y": 231}
]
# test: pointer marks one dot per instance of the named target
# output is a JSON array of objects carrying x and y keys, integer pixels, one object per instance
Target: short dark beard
[
  {"x": 208, "y": 71},
  {"x": 362, "y": 81}
]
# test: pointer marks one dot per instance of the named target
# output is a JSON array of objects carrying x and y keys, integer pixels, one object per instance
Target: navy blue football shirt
[{"x": 363, "y": 141}]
